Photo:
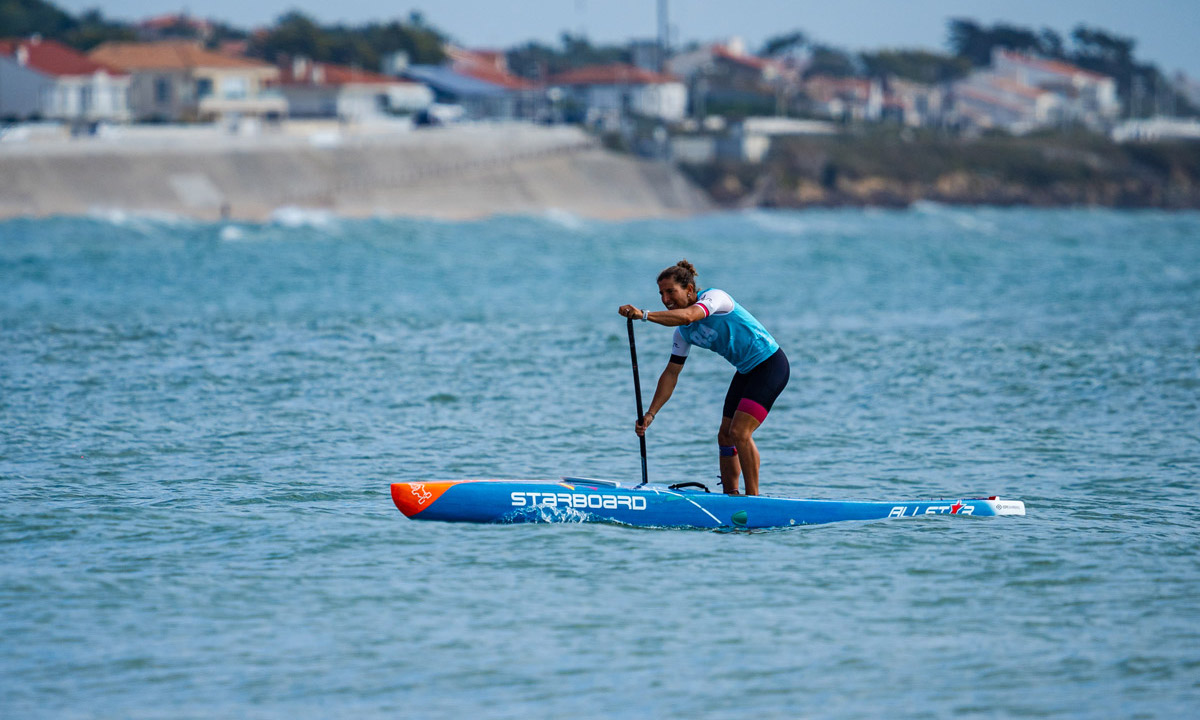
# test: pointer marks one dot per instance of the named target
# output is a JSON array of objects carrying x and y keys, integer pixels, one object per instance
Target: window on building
[
  {"x": 233, "y": 88},
  {"x": 204, "y": 87},
  {"x": 162, "y": 91}
]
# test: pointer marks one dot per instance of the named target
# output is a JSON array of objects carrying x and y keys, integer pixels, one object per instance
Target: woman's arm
[
  {"x": 662, "y": 393},
  {"x": 670, "y": 318}
]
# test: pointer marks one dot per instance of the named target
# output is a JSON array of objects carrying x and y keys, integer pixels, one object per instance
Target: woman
[{"x": 712, "y": 320}]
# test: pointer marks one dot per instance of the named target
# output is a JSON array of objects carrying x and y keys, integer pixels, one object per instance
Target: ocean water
[{"x": 199, "y": 423}]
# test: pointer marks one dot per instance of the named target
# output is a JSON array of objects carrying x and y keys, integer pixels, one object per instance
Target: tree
[
  {"x": 21, "y": 18},
  {"x": 782, "y": 44},
  {"x": 297, "y": 35},
  {"x": 1101, "y": 47},
  {"x": 536, "y": 61},
  {"x": 968, "y": 39},
  {"x": 831, "y": 61},
  {"x": 917, "y": 65}
]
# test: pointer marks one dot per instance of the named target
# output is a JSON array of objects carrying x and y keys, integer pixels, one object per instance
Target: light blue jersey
[{"x": 728, "y": 330}]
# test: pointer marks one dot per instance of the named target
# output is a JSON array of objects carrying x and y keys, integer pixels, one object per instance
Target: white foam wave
[{"x": 293, "y": 217}]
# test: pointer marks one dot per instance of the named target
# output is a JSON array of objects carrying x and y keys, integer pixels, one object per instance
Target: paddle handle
[{"x": 637, "y": 392}]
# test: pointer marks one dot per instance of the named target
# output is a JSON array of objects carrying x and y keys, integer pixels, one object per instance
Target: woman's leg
[
  {"x": 731, "y": 468},
  {"x": 741, "y": 430}
]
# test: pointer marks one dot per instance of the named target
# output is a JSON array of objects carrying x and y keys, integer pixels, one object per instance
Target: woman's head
[{"x": 677, "y": 285}]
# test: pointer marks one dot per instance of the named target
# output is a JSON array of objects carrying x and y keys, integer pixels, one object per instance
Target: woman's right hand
[{"x": 640, "y": 426}]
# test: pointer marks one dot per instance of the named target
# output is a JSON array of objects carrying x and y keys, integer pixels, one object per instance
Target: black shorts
[{"x": 755, "y": 392}]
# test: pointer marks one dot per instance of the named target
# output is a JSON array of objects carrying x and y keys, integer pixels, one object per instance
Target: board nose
[{"x": 413, "y": 497}]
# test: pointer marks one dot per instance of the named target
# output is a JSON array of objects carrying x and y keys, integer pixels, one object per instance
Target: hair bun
[{"x": 682, "y": 273}]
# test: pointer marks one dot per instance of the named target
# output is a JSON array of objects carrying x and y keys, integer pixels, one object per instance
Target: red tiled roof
[
  {"x": 505, "y": 80},
  {"x": 496, "y": 59},
  {"x": 1053, "y": 66},
  {"x": 490, "y": 66},
  {"x": 826, "y": 87},
  {"x": 610, "y": 75},
  {"x": 54, "y": 58},
  {"x": 334, "y": 75},
  {"x": 749, "y": 60},
  {"x": 991, "y": 99},
  {"x": 174, "y": 55},
  {"x": 162, "y": 22},
  {"x": 1012, "y": 87}
]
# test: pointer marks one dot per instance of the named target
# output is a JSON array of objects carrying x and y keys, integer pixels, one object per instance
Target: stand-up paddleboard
[
  {"x": 683, "y": 505},
  {"x": 652, "y": 505}
]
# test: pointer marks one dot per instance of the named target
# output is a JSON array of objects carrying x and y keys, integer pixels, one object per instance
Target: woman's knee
[{"x": 741, "y": 432}]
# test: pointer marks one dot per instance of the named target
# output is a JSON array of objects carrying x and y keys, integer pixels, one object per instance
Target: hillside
[{"x": 894, "y": 169}]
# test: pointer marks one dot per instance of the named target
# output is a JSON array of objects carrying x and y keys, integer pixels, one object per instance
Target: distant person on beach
[{"x": 713, "y": 320}]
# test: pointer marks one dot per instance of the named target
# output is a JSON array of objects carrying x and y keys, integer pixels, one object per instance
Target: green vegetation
[
  {"x": 21, "y": 18},
  {"x": 917, "y": 65},
  {"x": 537, "y": 61},
  {"x": 1143, "y": 89},
  {"x": 892, "y": 167},
  {"x": 293, "y": 34},
  {"x": 296, "y": 34}
]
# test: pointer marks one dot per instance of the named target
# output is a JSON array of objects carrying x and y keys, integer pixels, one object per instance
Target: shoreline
[
  {"x": 883, "y": 169},
  {"x": 460, "y": 172}
]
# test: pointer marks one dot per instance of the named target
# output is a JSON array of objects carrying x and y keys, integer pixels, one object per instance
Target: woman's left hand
[{"x": 630, "y": 311}]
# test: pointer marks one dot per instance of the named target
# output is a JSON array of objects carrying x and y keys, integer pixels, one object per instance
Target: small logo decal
[{"x": 420, "y": 493}]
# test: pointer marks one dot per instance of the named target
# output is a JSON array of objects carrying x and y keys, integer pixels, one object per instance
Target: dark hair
[{"x": 682, "y": 273}]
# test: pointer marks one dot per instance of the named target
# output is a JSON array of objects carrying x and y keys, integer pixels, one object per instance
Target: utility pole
[{"x": 663, "y": 39}]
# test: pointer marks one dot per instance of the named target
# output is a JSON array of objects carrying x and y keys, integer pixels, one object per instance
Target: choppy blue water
[{"x": 200, "y": 423}]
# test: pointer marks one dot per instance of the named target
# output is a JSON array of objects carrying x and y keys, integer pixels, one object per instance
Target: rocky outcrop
[{"x": 1038, "y": 172}]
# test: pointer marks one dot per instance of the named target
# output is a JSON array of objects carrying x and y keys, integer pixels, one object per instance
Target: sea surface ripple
[{"x": 200, "y": 423}]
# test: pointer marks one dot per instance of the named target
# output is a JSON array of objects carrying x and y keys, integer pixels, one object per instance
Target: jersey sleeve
[
  {"x": 715, "y": 302},
  {"x": 679, "y": 347}
]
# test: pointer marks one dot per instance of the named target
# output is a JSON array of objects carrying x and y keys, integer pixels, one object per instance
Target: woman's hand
[
  {"x": 630, "y": 311},
  {"x": 640, "y": 427}
]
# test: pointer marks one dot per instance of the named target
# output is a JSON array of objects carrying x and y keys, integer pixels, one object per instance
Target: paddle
[{"x": 637, "y": 391}]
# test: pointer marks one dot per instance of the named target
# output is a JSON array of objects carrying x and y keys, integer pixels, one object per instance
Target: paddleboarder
[{"x": 713, "y": 320}]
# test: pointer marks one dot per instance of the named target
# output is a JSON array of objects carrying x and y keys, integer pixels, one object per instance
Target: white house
[
  {"x": 1086, "y": 96},
  {"x": 1020, "y": 93},
  {"x": 611, "y": 91},
  {"x": 180, "y": 80},
  {"x": 44, "y": 79},
  {"x": 315, "y": 89},
  {"x": 1091, "y": 96},
  {"x": 990, "y": 101}
]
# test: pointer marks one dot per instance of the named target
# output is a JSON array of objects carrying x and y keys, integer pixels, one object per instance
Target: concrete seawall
[{"x": 452, "y": 173}]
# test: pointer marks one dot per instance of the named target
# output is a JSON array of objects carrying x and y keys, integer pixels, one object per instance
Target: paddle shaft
[{"x": 637, "y": 391}]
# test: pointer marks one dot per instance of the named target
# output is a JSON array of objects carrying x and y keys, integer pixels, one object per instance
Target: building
[
  {"x": 845, "y": 98},
  {"x": 911, "y": 103},
  {"x": 725, "y": 77},
  {"x": 610, "y": 92},
  {"x": 1019, "y": 93},
  {"x": 1086, "y": 96},
  {"x": 479, "y": 82},
  {"x": 46, "y": 80},
  {"x": 747, "y": 141},
  {"x": 323, "y": 90},
  {"x": 181, "y": 81},
  {"x": 1188, "y": 88},
  {"x": 1157, "y": 129},
  {"x": 987, "y": 101}
]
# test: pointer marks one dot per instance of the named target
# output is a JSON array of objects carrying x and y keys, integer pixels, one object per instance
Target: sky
[{"x": 1167, "y": 32}]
